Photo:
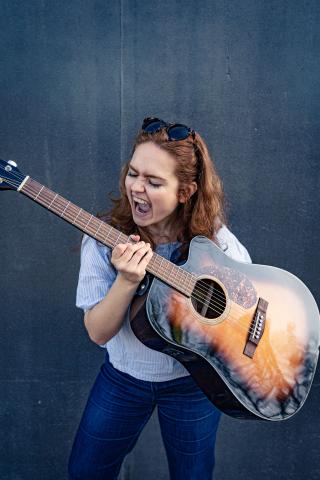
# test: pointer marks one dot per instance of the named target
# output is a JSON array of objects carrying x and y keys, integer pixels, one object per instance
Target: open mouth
[{"x": 142, "y": 208}]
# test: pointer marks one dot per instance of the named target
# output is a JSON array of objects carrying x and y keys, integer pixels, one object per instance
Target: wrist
[{"x": 125, "y": 283}]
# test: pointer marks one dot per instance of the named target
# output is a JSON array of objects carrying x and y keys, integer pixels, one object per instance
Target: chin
[{"x": 141, "y": 221}]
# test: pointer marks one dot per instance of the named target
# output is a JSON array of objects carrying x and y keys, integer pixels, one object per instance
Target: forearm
[{"x": 104, "y": 320}]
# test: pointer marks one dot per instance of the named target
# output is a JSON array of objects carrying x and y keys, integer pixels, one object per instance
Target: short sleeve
[
  {"x": 96, "y": 275},
  {"x": 232, "y": 246}
]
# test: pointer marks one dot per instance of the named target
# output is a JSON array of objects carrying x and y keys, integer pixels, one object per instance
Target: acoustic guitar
[{"x": 248, "y": 334}]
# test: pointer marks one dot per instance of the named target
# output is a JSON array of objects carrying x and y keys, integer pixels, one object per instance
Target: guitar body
[{"x": 270, "y": 383}]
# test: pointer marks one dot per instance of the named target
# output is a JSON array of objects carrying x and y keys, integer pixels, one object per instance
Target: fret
[
  {"x": 65, "y": 208},
  {"x": 170, "y": 274},
  {"x": 162, "y": 268},
  {"x": 150, "y": 266},
  {"x": 105, "y": 238},
  {"x": 177, "y": 275},
  {"x": 173, "y": 267},
  {"x": 35, "y": 198},
  {"x": 185, "y": 281},
  {"x": 152, "y": 263},
  {"x": 100, "y": 225},
  {"x": 77, "y": 216},
  {"x": 161, "y": 260},
  {"x": 88, "y": 222},
  {"x": 174, "y": 273},
  {"x": 94, "y": 221},
  {"x": 116, "y": 242},
  {"x": 190, "y": 281},
  {"x": 53, "y": 200}
]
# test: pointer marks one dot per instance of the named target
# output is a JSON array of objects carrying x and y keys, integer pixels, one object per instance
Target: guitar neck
[{"x": 160, "y": 267}]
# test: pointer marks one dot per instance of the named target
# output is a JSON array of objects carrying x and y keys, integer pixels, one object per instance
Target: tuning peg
[{"x": 12, "y": 162}]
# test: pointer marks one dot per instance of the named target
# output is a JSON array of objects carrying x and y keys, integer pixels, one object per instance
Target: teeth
[{"x": 139, "y": 200}]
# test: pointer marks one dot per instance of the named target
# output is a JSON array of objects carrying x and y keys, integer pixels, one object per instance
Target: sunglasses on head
[{"x": 175, "y": 131}]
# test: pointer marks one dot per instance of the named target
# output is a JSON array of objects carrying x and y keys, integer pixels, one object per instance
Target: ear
[{"x": 187, "y": 192}]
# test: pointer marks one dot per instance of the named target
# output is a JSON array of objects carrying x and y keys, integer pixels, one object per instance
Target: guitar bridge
[{"x": 256, "y": 328}]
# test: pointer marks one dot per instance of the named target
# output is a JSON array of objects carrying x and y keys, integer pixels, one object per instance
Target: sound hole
[{"x": 208, "y": 298}]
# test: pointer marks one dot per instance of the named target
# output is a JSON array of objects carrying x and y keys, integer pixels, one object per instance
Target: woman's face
[{"x": 152, "y": 188}]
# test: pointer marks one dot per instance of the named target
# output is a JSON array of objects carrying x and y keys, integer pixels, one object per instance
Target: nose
[{"x": 138, "y": 185}]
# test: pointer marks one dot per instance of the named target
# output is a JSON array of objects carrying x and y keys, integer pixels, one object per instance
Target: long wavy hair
[{"x": 202, "y": 214}]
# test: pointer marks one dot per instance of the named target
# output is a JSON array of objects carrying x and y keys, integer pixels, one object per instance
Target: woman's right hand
[{"x": 131, "y": 259}]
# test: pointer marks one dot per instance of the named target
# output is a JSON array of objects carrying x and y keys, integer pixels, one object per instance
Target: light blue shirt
[{"x": 126, "y": 352}]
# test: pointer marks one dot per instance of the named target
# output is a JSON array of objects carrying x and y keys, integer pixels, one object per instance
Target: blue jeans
[{"x": 118, "y": 408}]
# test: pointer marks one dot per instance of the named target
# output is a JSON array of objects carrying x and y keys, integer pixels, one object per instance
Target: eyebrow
[{"x": 153, "y": 176}]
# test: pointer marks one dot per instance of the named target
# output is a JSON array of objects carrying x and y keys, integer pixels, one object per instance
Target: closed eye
[{"x": 156, "y": 185}]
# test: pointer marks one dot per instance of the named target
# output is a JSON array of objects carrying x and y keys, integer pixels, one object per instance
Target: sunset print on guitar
[
  {"x": 248, "y": 334},
  {"x": 257, "y": 326}
]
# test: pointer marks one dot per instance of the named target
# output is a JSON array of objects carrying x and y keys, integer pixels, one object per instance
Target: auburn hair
[{"x": 202, "y": 214}]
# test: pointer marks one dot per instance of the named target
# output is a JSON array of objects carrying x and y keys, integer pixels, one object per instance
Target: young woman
[{"x": 170, "y": 192}]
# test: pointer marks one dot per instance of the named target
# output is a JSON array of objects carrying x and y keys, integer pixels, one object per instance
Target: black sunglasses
[{"x": 175, "y": 131}]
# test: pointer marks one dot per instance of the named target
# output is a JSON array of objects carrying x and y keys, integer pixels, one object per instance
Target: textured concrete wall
[{"x": 76, "y": 80}]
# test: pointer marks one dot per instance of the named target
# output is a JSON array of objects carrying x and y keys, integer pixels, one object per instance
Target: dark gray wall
[{"x": 76, "y": 79}]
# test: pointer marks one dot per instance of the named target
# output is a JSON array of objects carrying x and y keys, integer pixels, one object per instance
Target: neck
[
  {"x": 183, "y": 281},
  {"x": 164, "y": 234}
]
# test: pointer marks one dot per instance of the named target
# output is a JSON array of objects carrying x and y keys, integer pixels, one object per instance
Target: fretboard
[{"x": 159, "y": 266}]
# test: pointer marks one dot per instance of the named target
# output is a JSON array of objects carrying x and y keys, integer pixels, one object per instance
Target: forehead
[{"x": 150, "y": 160}]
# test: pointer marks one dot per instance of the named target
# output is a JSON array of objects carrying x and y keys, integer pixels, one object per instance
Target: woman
[{"x": 170, "y": 192}]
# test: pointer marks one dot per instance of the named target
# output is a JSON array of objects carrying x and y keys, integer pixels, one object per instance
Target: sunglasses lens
[
  {"x": 178, "y": 132},
  {"x": 153, "y": 125}
]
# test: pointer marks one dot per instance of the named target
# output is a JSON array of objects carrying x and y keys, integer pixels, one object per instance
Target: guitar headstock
[{"x": 10, "y": 176}]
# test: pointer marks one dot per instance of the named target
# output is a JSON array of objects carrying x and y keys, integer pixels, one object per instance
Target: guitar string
[
  {"x": 236, "y": 320},
  {"x": 193, "y": 295},
  {"x": 218, "y": 295},
  {"x": 197, "y": 297},
  {"x": 218, "y": 304},
  {"x": 221, "y": 303},
  {"x": 249, "y": 330}
]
